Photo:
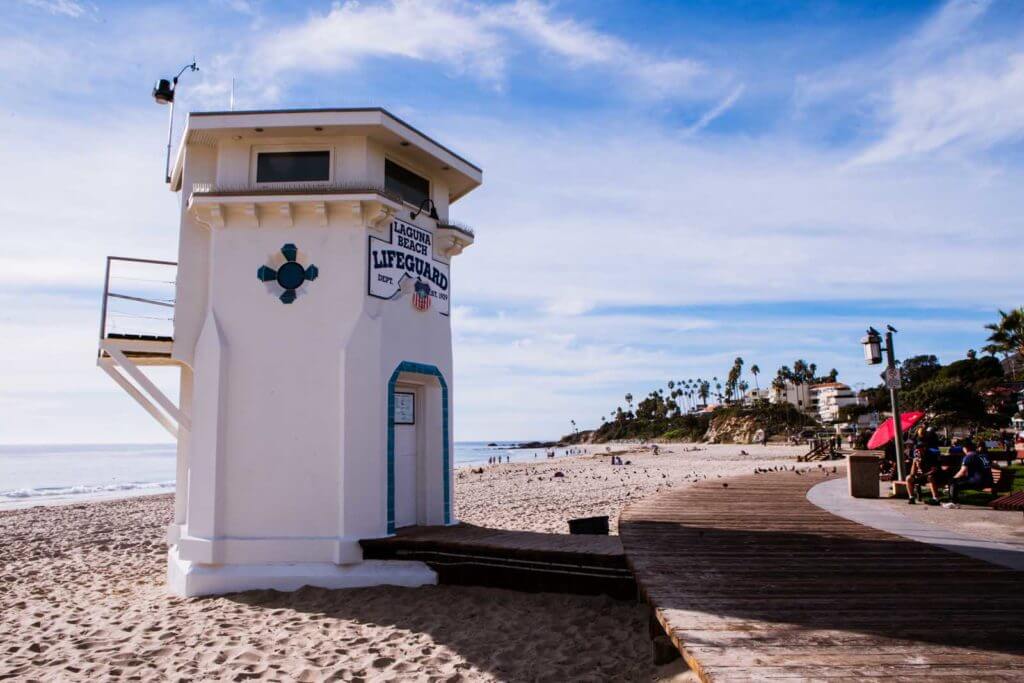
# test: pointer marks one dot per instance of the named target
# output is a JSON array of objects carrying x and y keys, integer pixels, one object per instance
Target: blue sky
[{"x": 667, "y": 184}]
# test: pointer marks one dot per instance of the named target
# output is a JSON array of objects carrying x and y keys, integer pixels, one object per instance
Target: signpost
[{"x": 891, "y": 376}]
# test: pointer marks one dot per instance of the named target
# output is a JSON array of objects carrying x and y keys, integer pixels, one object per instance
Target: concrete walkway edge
[{"x": 833, "y": 496}]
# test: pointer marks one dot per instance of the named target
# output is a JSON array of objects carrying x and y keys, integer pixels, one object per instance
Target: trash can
[
  {"x": 589, "y": 525},
  {"x": 862, "y": 473}
]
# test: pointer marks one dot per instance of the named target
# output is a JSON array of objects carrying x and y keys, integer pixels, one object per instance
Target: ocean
[{"x": 30, "y": 475}]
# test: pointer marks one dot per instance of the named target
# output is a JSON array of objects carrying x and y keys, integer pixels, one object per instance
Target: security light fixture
[
  {"x": 433, "y": 210},
  {"x": 163, "y": 93},
  {"x": 872, "y": 347}
]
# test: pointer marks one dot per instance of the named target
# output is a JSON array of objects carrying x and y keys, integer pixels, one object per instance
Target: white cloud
[
  {"x": 948, "y": 86},
  {"x": 945, "y": 28},
  {"x": 240, "y": 6},
  {"x": 586, "y": 47},
  {"x": 68, "y": 8},
  {"x": 975, "y": 101},
  {"x": 720, "y": 108},
  {"x": 468, "y": 38},
  {"x": 605, "y": 214}
]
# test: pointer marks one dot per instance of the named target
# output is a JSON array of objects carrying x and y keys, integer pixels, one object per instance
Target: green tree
[
  {"x": 755, "y": 371},
  {"x": 1007, "y": 336},
  {"x": 948, "y": 402},
  {"x": 972, "y": 370},
  {"x": 704, "y": 390},
  {"x": 918, "y": 369}
]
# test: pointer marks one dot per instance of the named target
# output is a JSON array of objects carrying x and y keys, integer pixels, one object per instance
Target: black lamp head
[{"x": 163, "y": 92}]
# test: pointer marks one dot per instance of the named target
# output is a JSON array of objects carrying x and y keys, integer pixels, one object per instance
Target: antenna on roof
[{"x": 163, "y": 93}]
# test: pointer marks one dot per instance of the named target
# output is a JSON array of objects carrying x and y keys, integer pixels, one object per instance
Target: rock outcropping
[{"x": 741, "y": 429}]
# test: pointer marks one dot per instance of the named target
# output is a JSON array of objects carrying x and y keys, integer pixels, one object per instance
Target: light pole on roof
[{"x": 163, "y": 93}]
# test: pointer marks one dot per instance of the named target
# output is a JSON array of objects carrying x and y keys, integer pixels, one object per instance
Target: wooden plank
[
  {"x": 753, "y": 582},
  {"x": 517, "y": 560}
]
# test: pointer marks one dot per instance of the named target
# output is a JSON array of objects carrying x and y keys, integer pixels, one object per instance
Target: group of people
[
  {"x": 967, "y": 466},
  {"x": 496, "y": 459}
]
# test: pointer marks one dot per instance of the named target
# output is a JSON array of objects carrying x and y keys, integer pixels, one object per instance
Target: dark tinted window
[
  {"x": 409, "y": 186},
  {"x": 293, "y": 167}
]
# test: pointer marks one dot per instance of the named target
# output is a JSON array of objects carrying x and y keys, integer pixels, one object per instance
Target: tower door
[{"x": 406, "y": 460}]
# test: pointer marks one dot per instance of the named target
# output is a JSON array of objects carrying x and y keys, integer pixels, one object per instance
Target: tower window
[
  {"x": 293, "y": 167},
  {"x": 410, "y": 186}
]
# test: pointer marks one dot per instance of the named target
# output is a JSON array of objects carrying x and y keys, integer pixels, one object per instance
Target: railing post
[{"x": 103, "y": 308}]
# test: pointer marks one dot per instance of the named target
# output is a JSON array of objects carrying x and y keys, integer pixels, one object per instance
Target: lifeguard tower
[{"x": 311, "y": 326}]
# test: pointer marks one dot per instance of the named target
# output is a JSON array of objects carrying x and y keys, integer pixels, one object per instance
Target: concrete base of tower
[{"x": 189, "y": 579}]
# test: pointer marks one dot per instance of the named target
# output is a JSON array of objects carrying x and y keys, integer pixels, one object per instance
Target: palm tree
[
  {"x": 1007, "y": 336},
  {"x": 755, "y": 371},
  {"x": 704, "y": 391},
  {"x": 800, "y": 377}
]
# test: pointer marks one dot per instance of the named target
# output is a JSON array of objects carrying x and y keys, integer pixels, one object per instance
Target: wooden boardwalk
[
  {"x": 518, "y": 560},
  {"x": 752, "y": 581}
]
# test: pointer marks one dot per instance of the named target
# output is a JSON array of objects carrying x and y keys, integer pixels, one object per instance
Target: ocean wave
[{"x": 84, "y": 489}]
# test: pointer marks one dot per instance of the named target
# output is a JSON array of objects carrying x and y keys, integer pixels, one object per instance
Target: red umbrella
[{"x": 884, "y": 434}]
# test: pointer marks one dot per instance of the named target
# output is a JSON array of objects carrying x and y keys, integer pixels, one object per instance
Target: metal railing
[{"x": 145, "y": 292}]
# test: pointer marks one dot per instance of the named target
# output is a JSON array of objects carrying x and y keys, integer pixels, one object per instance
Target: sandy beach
[{"x": 82, "y": 593}]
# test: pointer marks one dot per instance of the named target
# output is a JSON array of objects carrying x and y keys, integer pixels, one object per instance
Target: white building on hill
[
  {"x": 828, "y": 398},
  {"x": 798, "y": 395}
]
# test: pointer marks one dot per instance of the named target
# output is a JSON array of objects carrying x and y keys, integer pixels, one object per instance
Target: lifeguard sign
[
  {"x": 311, "y": 328},
  {"x": 404, "y": 266}
]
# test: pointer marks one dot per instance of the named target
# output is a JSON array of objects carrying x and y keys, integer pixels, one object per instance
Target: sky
[{"x": 667, "y": 185}]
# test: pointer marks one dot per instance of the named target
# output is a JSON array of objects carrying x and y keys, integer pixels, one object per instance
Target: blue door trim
[{"x": 432, "y": 371}]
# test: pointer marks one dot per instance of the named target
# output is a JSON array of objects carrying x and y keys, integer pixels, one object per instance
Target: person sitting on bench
[
  {"x": 925, "y": 468},
  {"x": 975, "y": 472}
]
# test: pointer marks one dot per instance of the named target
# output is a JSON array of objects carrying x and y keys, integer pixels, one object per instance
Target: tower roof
[{"x": 374, "y": 122}]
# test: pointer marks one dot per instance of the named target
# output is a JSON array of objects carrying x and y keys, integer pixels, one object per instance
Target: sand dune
[{"x": 82, "y": 595}]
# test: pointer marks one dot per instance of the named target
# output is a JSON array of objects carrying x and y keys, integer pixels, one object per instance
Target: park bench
[
  {"x": 1002, "y": 480},
  {"x": 1014, "y": 501}
]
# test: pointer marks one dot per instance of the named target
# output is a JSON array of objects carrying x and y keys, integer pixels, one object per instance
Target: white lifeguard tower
[{"x": 311, "y": 327}]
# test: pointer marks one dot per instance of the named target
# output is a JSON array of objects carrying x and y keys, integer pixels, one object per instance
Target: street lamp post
[{"x": 873, "y": 356}]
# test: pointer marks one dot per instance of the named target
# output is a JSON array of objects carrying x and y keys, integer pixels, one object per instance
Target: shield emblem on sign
[{"x": 421, "y": 296}]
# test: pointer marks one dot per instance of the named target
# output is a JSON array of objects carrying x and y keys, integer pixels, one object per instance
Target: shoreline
[{"x": 155, "y": 489}]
